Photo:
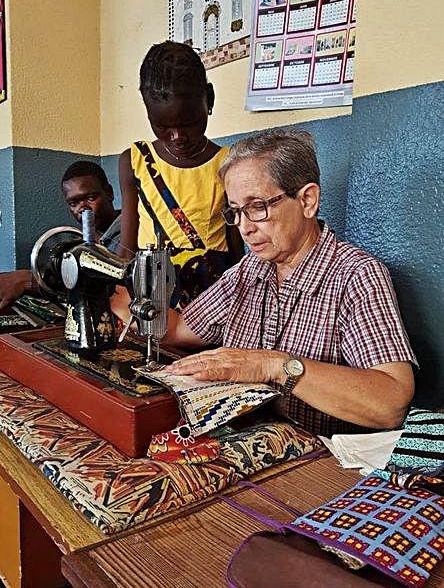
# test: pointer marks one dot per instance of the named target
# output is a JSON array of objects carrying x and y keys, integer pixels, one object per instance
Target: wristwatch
[{"x": 294, "y": 368}]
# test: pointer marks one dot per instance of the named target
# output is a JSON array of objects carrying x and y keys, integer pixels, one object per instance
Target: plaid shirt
[{"x": 337, "y": 306}]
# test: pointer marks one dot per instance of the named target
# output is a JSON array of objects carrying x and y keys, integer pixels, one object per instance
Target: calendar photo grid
[{"x": 302, "y": 53}]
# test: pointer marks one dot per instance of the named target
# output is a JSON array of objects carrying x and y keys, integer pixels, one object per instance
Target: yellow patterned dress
[{"x": 183, "y": 207}]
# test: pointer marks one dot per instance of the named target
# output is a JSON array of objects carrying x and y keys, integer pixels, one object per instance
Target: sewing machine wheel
[{"x": 47, "y": 254}]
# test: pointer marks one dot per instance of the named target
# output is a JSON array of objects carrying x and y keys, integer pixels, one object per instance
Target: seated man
[
  {"x": 84, "y": 186},
  {"x": 303, "y": 311}
]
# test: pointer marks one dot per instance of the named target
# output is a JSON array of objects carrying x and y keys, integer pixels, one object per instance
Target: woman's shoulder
[
  {"x": 222, "y": 152},
  {"x": 218, "y": 157}
]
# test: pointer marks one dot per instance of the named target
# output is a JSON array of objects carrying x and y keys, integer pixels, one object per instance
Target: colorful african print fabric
[
  {"x": 417, "y": 460},
  {"x": 181, "y": 446},
  {"x": 209, "y": 405},
  {"x": 421, "y": 447},
  {"x": 397, "y": 531},
  {"x": 115, "y": 492}
]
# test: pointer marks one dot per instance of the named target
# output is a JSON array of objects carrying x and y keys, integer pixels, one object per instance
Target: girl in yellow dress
[{"x": 170, "y": 187}]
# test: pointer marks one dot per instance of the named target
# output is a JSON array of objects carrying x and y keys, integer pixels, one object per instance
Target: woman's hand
[{"x": 232, "y": 364}]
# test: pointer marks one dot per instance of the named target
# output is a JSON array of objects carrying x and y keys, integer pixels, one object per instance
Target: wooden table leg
[
  {"x": 28, "y": 556},
  {"x": 9, "y": 536}
]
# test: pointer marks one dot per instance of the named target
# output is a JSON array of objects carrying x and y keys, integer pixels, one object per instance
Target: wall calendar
[{"x": 302, "y": 54}]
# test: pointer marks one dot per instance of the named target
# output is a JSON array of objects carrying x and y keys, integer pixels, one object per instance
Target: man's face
[
  {"x": 282, "y": 235},
  {"x": 179, "y": 123},
  {"x": 87, "y": 193}
]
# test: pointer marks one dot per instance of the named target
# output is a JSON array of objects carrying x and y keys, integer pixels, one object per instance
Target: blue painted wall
[
  {"x": 110, "y": 164},
  {"x": 7, "y": 224},
  {"x": 38, "y": 200},
  {"x": 395, "y": 210}
]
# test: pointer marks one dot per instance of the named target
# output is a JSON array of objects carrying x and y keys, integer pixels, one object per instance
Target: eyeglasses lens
[{"x": 256, "y": 211}]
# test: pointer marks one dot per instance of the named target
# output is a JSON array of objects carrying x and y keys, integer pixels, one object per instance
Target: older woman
[{"x": 302, "y": 310}]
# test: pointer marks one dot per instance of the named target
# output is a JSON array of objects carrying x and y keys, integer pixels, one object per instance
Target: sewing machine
[
  {"x": 85, "y": 371},
  {"x": 87, "y": 272}
]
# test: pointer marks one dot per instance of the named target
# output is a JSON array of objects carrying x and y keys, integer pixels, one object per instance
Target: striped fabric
[
  {"x": 338, "y": 306},
  {"x": 209, "y": 405},
  {"x": 421, "y": 446}
]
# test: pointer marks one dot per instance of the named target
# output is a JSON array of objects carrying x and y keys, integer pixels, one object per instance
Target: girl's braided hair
[{"x": 171, "y": 69}]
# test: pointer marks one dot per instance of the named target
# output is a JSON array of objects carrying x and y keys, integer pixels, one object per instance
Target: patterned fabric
[
  {"x": 338, "y": 306},
  {"x": 181, "y": 446},
  {"x": 115, "y": 492},
  {"x": 398, "y": 531},
  {"x": 404, "y": 480},
  {"x": 209, "y": 405},
  {"x": 421, "y": 446},
  {"x": 184, "y": 205},
  {"x": 417, "y": 460},
  {"x": 244, "y": 449}
]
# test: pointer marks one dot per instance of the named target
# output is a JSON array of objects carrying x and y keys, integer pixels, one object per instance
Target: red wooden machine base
[{"x": 125, "y": 421}]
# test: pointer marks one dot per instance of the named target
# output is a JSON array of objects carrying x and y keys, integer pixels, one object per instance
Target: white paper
[{"x": 368, "y": 451}]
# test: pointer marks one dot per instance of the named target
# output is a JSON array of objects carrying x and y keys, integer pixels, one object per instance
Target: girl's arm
[{"x": 130, "y": 216}]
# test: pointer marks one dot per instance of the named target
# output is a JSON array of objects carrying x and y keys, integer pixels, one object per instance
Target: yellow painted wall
[
  {"x": 74, "y": 70},
  {"x": 55, "y": 74},
  {"x": 5, "y": 107},
  {"x": 126, "y": 36},
  {"x": 398, "y": 45}
]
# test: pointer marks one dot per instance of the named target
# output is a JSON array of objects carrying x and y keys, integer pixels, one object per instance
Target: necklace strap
[{"x": 192, "y": 156}]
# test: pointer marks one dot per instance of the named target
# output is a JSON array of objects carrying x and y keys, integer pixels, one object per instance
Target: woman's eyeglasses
[{"x": 256, "y": 211}]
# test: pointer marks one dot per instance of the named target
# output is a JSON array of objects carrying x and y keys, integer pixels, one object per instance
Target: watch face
[{"x": 294, "y": 367}]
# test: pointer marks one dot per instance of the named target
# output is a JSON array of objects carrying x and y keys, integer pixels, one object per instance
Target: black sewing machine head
[{"x": 68, "y": 264}]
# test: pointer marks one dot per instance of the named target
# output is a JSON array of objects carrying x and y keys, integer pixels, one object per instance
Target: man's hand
[
  {"x": 234, "y": 365},
  {"x": 13, "y": 284}
]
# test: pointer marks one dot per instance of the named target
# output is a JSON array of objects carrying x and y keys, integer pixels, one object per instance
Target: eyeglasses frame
[{"x": 242, "y": 209}]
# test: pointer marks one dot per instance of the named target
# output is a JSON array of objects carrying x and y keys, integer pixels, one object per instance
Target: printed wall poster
[
  {"x": 302, "y": 54},
  {"x": 2, "y": 52},
  {"x": 219, "y": 30}
]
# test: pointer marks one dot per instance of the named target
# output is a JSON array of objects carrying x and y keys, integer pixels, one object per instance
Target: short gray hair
[{"x": 289, "y": 156}]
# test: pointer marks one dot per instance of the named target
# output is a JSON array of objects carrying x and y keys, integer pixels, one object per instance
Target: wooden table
[
  {"x": 193, "y": 551},
  {"x": 37, "y": 524}
]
